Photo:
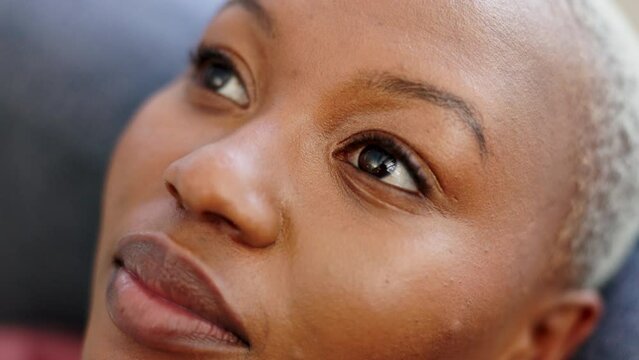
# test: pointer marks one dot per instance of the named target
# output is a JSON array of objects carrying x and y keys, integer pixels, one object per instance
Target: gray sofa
[{"x": 71, "y": 74}]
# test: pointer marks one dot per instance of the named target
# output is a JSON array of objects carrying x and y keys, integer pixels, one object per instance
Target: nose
[{"x": 224, "y": 181}]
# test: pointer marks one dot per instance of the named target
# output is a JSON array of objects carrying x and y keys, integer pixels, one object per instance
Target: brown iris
[{"x": 376, "y": 161}]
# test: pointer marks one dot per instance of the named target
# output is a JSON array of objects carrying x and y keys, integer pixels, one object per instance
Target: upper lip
[{"x": 171, "y": 272}]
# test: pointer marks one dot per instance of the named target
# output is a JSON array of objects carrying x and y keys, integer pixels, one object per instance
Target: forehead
[
  {"x": 464, "y": 31},
  {"x": 457, "y": 42}
]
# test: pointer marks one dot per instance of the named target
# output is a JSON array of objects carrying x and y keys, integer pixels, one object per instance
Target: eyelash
[
  {"x": 204, "y": 54},
  {"x": 396, "y": 149}
]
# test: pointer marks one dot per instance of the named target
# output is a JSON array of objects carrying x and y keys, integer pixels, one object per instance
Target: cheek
[
  {"x": 164, "y": 130},
  {"x": 371, "y": 287},
  {"x": 142, "y": 154}
]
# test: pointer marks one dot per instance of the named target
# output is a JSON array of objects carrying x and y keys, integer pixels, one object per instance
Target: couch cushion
[
  {"x": 618, "y": 334},
  {"x": 71, "y": 74}
]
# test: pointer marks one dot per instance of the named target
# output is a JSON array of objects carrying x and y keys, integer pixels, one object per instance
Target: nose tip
[{"x": 218, "y": 190}]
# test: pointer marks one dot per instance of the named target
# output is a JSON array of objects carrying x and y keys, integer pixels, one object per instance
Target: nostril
[
  {"x": 175, "y": 193},
  {"x": 214, "y": 218}
]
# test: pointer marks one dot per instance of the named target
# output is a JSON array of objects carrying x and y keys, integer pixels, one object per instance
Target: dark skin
[{"x": 452, "y": 259}]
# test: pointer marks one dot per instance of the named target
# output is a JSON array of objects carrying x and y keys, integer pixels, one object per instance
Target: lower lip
[{"x": 158, "y": 323}]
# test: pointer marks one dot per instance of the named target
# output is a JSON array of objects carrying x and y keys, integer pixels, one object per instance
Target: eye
[
  {"x": 216, "y": 72},
  {"x": 383, "y": 165}
]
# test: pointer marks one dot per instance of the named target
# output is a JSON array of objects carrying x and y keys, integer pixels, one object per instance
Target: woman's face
[{"x": 341, "y": 180}]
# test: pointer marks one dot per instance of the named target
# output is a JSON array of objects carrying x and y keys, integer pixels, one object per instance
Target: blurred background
[
  {"x": 71, "y": 74},
  {"x": 632, "y": 9}
]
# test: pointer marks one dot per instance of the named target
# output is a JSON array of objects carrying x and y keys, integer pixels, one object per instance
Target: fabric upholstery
[{"x": 71, "y": 74}]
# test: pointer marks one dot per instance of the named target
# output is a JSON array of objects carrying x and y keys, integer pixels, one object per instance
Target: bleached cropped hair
[{"x": 607, "y": 214}]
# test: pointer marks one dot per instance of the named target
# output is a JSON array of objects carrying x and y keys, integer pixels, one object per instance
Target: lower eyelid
[
  {"x": 389, "y": 197},
  {"x": 206, "y": 100}
]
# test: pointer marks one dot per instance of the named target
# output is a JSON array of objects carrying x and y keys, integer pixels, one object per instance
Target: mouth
[{"x": 161, "y": 297}]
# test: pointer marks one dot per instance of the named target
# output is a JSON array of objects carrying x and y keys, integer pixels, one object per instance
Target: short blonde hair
[{"x": 607, "y": 214}]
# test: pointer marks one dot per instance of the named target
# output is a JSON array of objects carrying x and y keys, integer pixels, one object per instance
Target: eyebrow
[
  {"x": 392, "y": 84},
  {"x": 424, "y": 91},
  {"x": 264, "y": 19}
]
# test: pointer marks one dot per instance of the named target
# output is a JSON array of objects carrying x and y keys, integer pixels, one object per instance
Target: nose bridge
[{"x": 229, "y": 179}]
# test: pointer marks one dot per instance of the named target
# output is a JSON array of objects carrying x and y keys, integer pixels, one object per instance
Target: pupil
[
  {"x": 217, "y": 75},
  {"x": 376, "y": 161}
]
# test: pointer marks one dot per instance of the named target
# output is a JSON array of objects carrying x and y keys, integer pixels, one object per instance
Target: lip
[{"x": 163, "y": 298}]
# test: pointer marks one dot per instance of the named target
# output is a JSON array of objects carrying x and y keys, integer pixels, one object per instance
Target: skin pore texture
[{"x": 261, "y": 184}]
